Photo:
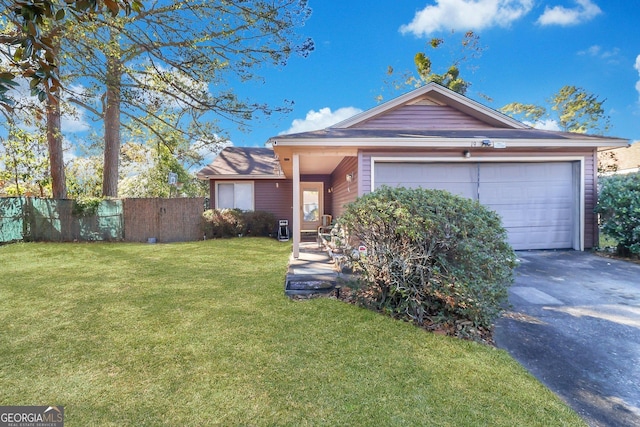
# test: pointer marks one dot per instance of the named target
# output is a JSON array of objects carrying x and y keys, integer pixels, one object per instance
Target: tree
[
  {"x": 619, "y": 209},
  {"x": 31, "y": 52},
  {"x": 23, "y": 154},
  {"x": 574, "y": 109},
  {"x": 166, "y": 53},
  {"x": 148, "y": 159},
  {"x": 172, "y": 54},
  {"x": 84, "y": 177},
  {"x": 450, "y": 78},
  {"x": 30, "y": 41}
]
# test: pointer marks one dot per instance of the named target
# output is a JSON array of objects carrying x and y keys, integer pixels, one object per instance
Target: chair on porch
[{"x": 324, "y": 230}]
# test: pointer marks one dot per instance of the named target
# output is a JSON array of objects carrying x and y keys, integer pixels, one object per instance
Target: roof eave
[
  {"x": 437, "y": 142},
  {"x": 239, "y": 177}
]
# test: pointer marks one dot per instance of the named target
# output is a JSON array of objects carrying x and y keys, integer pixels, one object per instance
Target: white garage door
[{"x": 537, "y": 201}]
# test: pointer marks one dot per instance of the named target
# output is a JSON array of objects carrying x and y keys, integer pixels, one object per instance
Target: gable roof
[
  {"x": 243, "y": 163},
  {"x": 433, "y": 116},
  {"x": 440, "y": 98}
]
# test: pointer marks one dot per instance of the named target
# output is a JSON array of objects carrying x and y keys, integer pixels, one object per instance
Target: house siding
[
  {"x": 591, "y": 232},
  {"x": 271, "y": 195},
  {"x": 275, "y": 196},
  {"x": 344, "y": 193},
  {"x": 590, "y": 175},
  {"x": 423, "y": 117}
]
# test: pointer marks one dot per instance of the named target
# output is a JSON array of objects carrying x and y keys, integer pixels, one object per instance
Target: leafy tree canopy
[
  {"x": 450, "y": 78},
  {"x": 574, "y": 109},
  {"x": 30, "y": 50}
]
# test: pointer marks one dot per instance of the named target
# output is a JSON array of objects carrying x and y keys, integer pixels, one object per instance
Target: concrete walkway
[
  {"x": 313, "y": 272},
  {"x": 312, "y": 260}
]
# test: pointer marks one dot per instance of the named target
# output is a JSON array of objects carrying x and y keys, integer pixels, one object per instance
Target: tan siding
[
  {"x": 424, "y": 117},
  {"x": 344, "y": 193}
]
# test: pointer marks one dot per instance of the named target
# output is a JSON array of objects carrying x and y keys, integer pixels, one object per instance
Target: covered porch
[{"x": 324, "y": 181}]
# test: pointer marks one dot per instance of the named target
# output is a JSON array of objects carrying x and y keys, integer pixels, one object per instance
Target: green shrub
[
  {"x": 234, "y": 222},
  {"x": 432, "y": 258},
  {"x": 86, "y": 206},
  {"x": 619, "y": 209},
  {"x": 259, "y": 223},
  {"x": 223, "y": 222}
]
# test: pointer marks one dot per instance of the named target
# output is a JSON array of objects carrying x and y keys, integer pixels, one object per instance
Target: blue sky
[{"x": 532, "y": 49}]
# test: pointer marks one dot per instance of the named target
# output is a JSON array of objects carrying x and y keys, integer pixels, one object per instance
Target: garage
[{"x": 538, "y": 201}]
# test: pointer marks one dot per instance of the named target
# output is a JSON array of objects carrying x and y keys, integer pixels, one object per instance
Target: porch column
[{"x": 296, "y": 206}]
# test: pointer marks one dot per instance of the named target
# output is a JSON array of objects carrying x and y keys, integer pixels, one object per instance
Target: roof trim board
[{"x": 440, "y": 142}]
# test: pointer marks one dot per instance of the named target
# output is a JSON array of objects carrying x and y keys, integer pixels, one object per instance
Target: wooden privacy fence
[
  {"x": 166, "y": 220},
  {"x": 131, "y": 220}
]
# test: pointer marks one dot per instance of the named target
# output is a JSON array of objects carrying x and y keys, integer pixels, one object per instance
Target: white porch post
[{"x": 296, "y": 205}]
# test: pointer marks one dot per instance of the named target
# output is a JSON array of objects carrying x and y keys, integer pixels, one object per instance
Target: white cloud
[
  {"x": 637, "y": 67},
  {"x": 321, "y": 119},
  {"x": 546, "y": 124},
  {"x": 598, "y": 52},
  {"x": 560, "y": 15},
  {"x": 466, "y": 15}
]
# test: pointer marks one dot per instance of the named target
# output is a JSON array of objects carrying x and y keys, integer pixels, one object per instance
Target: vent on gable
[{"x": 425, "y": 100}]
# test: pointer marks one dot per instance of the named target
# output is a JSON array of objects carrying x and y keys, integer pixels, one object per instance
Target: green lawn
[{"x": 200, "y": 334}]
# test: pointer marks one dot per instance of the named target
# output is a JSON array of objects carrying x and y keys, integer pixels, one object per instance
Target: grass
[{"x": 201, "y": 333}]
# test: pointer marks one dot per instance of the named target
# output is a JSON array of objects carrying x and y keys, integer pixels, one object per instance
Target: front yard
[{"x": 201, "y": 334}]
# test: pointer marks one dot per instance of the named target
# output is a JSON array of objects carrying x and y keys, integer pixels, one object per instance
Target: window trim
[{"x": 253, "y": 193}]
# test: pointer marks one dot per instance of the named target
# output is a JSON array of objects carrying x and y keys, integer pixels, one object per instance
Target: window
[{"x": 234, "y": 195}]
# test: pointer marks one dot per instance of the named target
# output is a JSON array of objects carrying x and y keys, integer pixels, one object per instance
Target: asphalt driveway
[{"x": 575, "y": 325}]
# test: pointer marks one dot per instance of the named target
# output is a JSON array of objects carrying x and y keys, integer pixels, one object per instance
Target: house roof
[
  {"x": 243, "y": 163},
  {"x": 430, "y": 117},
  {"x": 424, "y": 135},
  {"x": 435, "y": 94},
  {"x": 433, "y": 116}
]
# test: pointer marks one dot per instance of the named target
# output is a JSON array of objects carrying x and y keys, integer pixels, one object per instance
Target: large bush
[
  {"x": 432, "y": 258},
  {"x": 223, "y": 222},
  {"x": 619, "y": 209},
  {"x": 259, "y": 223},
  {"x": 234, "y": 222}
]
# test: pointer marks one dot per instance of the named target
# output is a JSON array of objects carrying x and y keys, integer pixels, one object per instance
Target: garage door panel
[
  {"x": 526, "y": 172},
  {"x": 523, "y": 193},
  {"x": 532, "y": 238},
  {"x": 512, "y": 216},
  {"x": 459, "y": 179},
  {"x": 420, "y": 172},
  {"x": 536, "y": 200}
]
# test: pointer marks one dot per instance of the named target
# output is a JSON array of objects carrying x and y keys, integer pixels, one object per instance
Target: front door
[{"x": 311, "y": 195}]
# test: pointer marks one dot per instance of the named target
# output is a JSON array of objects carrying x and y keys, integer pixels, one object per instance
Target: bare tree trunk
[
  {"x": 112, "y": 126},
  {"x": 56, "y": 155}
]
